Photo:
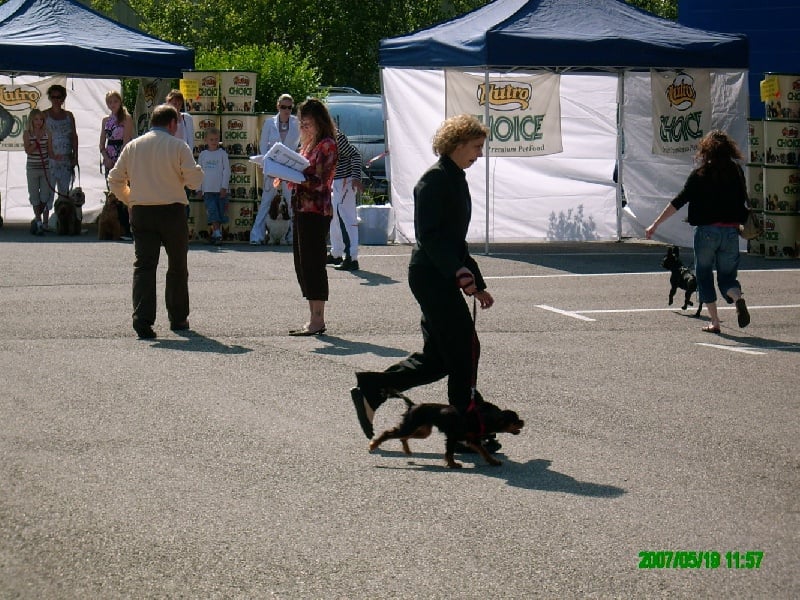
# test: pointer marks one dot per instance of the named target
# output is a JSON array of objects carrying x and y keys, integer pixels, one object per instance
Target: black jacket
[
  {"x": 715, "y": 196},
  {"x": 442, "y": 212}
]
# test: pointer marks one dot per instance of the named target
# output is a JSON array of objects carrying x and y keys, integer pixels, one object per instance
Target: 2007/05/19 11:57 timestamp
[{"x": 709, "y": 559}]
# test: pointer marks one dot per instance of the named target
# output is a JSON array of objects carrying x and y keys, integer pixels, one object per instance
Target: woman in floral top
[{"x": 313, "y": 211}]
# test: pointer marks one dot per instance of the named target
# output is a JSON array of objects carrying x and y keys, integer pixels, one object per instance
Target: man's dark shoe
[
  {"x": 181, "y": 326},
  {"x": 364, "y": 412},
  {"x": 367, "y": 397},
  {"x": 333, "y": 260},
  {"x": 348, "y": 265},
  {"x": 145, "y": 333},
  {"x": 742, "y": 314}
]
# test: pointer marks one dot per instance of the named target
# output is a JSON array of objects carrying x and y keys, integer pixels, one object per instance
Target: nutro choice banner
[
  {"x": 681, "y": 110},
  {"x": 524, "y": 110}
]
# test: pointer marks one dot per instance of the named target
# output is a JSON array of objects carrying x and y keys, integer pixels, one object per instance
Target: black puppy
[
  {"x": 682, "y": 277},
  {"x": 419, "y": 420}
]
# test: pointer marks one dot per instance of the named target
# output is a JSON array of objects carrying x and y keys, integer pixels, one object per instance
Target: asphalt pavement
[{"x": 227, "y": 462}]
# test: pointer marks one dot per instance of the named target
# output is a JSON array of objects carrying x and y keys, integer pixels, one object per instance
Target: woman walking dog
[
  {"x": 716, "y": 193},
  {"x": 440, "y": 273}
]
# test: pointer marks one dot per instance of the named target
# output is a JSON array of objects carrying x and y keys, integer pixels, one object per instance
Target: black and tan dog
[
  {"x": 682, "y": 277},
  {"x": 420, "y": 419}
]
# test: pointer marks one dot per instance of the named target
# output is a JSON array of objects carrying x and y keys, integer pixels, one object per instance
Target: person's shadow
[
  {"x": 373, "y": 279},
  {"x": 191, "y": 341},
  {"x": 340, "y": 347},
  {"x": 533, "y": 475}
]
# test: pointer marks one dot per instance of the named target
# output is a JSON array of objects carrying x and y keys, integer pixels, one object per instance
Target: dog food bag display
[
  {"x": 240, "y": 134},
  {"x": 785, "y": 103},
  {"x": 241, "y": 215},
  {"x": 243, "y": 185},
  {"x": 781, "y": 189},
  {"x": 780, "y": 235},
  {"x": 755, "y": 141},
  {"x": 207, "y": 100},
  {"x": 198, "y": 228},
  {"x": 782, "y": 143},
  {"x": 237, "y": 91}
]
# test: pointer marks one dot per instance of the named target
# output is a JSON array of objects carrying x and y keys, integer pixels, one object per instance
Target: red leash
[{"x": 473, "y": 403}]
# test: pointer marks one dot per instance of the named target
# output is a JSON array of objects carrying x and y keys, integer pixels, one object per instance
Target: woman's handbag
[{"x": 752, "y": 227}]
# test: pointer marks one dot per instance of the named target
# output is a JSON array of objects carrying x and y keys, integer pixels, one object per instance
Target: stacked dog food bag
[
  {"x": 781, "y": 166},
  {"x": 226, "y": 100}
]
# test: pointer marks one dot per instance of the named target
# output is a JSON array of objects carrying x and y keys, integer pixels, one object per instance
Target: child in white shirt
[{"x": 216, "y": 176}]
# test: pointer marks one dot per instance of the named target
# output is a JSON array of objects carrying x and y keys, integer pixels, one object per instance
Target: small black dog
[
  {"x": 682, "y": 277},
  {"x": 419, "y": 420}
]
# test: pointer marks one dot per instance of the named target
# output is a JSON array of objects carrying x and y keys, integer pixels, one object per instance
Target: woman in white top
[
  {"x": 185, "y": 129},
  {"x": 285, "y": 128}
]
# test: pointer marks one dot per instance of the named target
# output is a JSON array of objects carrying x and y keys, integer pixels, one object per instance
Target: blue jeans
[
  {"x": 716, "y": 247},
  {"x": 215, "y": 207}
]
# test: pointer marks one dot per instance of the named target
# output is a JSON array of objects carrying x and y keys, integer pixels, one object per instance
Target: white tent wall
[
  {"x": 650, "y": 180},
  {"x": 562, "y": 196},
  {"x": 86, "y": 100},
  {"x": 568, "y": 196}
]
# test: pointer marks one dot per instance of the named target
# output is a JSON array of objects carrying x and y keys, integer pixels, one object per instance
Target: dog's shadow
[
  {"x": 532, "y": 475},
  {"x": 191, "y": 341}
]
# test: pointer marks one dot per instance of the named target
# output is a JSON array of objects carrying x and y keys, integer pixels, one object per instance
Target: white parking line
[
  {"x": 731, "y": 348},
  {"x": 579, "y": 314}
]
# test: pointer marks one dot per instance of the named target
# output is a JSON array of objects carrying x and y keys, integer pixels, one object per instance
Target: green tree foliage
[
  {"x": 336, "y": 39},
  {"x": 279, "y": 71}
]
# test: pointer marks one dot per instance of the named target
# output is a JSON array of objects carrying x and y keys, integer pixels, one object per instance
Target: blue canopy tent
[
  {"x": 571, "y": 34},
  {"x": 42, "y": 37},
  {"x": 605, "y": 38}
]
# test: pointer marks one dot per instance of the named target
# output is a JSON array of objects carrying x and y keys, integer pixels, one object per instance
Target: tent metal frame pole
[
  {"x": 488, "y": 155},
  {"x": 620, "y": 148}
]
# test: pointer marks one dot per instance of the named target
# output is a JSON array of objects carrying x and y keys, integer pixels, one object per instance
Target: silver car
[{"x": 360, "y": 117}]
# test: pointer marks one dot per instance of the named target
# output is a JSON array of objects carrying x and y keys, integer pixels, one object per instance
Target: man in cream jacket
[{"x": 149, "y": 177}]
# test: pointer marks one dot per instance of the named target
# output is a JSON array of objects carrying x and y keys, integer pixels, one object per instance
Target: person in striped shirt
[{"x": 344, "y": 225}]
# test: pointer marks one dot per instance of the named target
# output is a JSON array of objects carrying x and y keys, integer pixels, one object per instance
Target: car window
[{"x": 358, "y": 120}]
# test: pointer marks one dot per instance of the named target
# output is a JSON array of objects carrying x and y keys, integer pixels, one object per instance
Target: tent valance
[
  {"x": 563, "y": 33},
  {"x": 42, "y": 37}
]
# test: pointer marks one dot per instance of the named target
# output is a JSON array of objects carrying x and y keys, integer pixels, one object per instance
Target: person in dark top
[
  {"x": 716, "y": 193},
  {"x": 440, "y": 270}
]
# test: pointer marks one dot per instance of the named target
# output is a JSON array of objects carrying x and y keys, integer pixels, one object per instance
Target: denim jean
[
  {"x": 716, "y": 247},
  {"x": 216, "y": 206}
]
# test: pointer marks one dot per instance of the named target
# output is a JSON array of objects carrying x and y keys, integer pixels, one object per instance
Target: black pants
[
  {"x": 450, "y": 344},
  {"x": 310, "y": 231},
  {"x": 154, "y": 226}
]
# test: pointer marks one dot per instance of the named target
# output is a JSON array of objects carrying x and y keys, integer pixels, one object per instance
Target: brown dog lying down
[{"x": 419, "y": 420}]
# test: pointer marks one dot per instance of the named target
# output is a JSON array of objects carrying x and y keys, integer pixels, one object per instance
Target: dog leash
[{"x": 473, "y": 402}]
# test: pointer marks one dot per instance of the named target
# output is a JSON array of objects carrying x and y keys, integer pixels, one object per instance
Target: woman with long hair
[
  {"x": 312, "y": 208},
  {"x": 716, "y": 193},
  {"x": 116, "y": 130}
]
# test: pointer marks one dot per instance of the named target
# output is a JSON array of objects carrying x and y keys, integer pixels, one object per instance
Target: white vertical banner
[
  {"x": 681, "y": 110},
  {"x": 524, "y": 109},
  {"x": 151, "y": 93}
]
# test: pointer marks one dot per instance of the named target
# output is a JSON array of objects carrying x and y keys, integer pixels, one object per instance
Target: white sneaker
[{"x": 256, "y": 243}]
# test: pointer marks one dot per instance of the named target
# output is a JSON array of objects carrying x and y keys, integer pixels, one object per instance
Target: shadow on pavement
[
  {"x": 533, "y": 475},
  {"x": 341, "y": 347},
  {"x": 194, "y": 342}
]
